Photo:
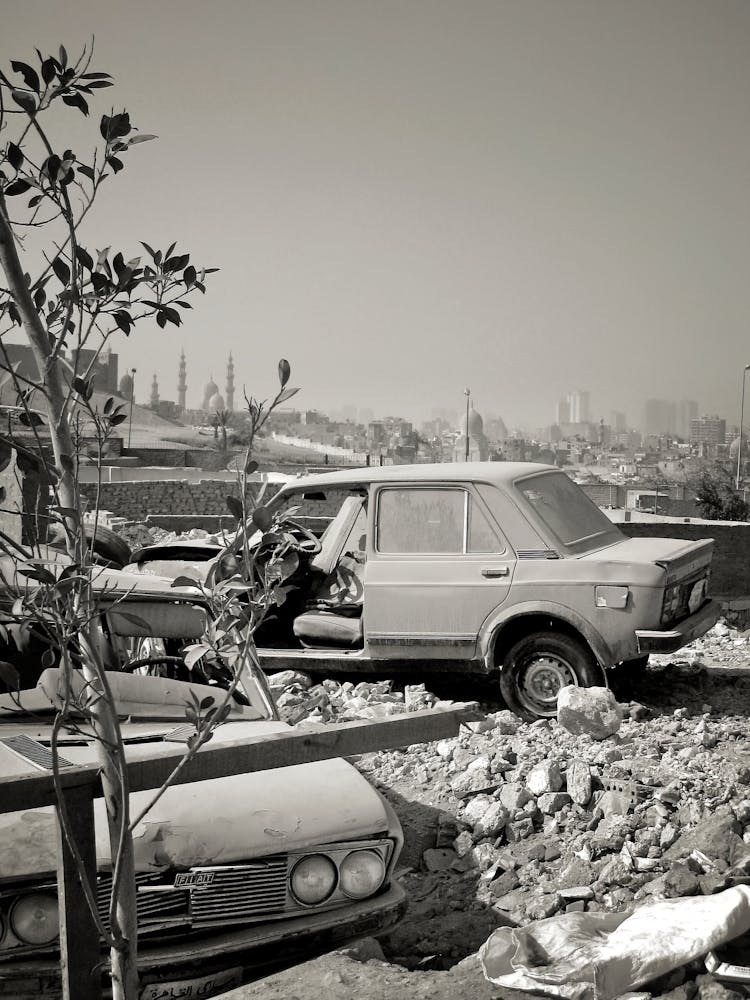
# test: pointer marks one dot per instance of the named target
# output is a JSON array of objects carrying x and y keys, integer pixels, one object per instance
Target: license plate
[
  {"x": 697, "y": 596},
  {"x": 192, "y": 989}
]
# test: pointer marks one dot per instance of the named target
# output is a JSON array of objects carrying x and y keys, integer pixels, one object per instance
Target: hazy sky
[{"x": 408, "y": 198}]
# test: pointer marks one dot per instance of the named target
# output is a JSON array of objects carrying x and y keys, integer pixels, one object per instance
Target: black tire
[
  {"x": 537, "y": 666},
  {"x": 107, "y": 544}
]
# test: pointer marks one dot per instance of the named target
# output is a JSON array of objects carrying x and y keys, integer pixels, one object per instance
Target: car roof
[{"x": 455, "y": 472}]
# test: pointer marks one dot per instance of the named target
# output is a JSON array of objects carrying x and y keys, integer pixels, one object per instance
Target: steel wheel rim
[{"x": 541, "y": 676}]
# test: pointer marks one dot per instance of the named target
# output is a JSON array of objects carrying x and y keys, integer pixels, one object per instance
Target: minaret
[
  {"x": 182, "y": 383},
  {"x": 154, "y": 393},
  {"x": 229, "y": 394}
]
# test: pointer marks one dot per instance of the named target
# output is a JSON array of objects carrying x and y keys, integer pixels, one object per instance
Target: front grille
[
  {"x": 33, "y": 752},
  {"x": 240, "y": 892},
  {"x": 206, "y": 895}
]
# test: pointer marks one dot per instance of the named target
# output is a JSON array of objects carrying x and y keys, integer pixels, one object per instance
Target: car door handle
[{"x": 491, "y": 571}]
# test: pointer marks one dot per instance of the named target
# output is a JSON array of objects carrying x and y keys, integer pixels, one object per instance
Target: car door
[{"x": 437, "y": 565}]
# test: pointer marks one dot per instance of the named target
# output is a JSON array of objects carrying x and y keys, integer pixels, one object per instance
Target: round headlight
[
  {"x": 313, "y": 879},
  {"x": 35, "y": 919},
  {"x": 361, "y": 873}
]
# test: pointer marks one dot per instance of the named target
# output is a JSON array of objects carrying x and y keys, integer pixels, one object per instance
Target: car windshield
[{"x": 574, "y": 520}]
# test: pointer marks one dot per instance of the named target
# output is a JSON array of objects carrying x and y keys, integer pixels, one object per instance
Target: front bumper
[
  {"x": 258, "y": 950},
  {"x": 668, "y": 640}
]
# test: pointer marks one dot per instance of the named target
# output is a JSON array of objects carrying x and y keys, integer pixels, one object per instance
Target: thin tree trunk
[{"x": 104, "y": 717}]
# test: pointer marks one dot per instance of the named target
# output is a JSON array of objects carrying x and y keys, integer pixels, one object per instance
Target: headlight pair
[{"x": 315, "y": 877}]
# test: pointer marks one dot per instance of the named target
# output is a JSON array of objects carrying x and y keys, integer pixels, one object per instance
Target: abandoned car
[
  {"x": 491, "y": 567},
  {"x": 233, "y": 874}
]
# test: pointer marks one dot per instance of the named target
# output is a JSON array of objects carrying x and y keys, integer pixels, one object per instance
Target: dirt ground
[{"x": 511, "y": 822}]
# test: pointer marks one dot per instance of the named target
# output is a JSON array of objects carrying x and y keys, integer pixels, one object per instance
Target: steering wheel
[{"x": 306, "y": 541}]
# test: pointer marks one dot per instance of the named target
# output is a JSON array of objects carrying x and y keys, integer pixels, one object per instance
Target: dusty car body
[
  {"x": 234, "y": 874},
  {"x": 489, "y": 566}
]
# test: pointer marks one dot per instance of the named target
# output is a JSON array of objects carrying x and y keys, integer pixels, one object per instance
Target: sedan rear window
[{"x": 574, "y": 520}]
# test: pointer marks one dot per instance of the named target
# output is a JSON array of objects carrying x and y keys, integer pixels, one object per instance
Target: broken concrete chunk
[
  {"x": 513, "y": 795},
  {"x": 578, "y": 782},
  {"x": 545, "y": 777},
  {"x": 552, "y": 802},
  {"x": 589, "y": 711}
]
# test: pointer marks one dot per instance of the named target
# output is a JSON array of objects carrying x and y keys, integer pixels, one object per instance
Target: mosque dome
[
  {"x": 211, "y": 389},
  {"x": 476, "y": 424},
  {"x": 216, "y": 402}
]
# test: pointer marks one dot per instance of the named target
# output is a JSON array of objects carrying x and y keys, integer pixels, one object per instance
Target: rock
[
  {"x": 476, "y": 808},
  {"x": 463, "y": 843},
  {"x": 545, "y": 777},
  {"x": 491, "y": 819},
  {"x": 583, "y": 892},
  {"x": 285, "y": 679},
  {"x": 541, "y": 907},
  {"x": 484, "y": 855},
  {"x": 504, "y": 884},
  {"x": 590, "y": 712},
  {"x": 513, "y": 795},
  {"x": 680, "y": 881},
  {"x": 519, "y": 829},
  {"x": 712, "y": 836},
  {"x": 506, "y": 723},
  {"x": 552, "y": 802},
  {"x": 364, "y": 950},
  {"x": 709, "y": 989},
  {"x": 578, "y": 782}
]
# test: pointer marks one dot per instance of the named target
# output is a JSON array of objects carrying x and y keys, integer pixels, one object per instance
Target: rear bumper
[
  {"x": 668, "y": 640},
  {"x": 257, "y": 950}
]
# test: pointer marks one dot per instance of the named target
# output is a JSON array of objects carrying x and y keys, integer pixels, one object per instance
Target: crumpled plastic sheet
[{"x": 599, "y": 956}]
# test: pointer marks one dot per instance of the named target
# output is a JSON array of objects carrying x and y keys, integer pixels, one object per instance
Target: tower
[
  {"x": 229, "y": 394},
  {"x": 182, "y": 383},
  {"x": 154, "y": 393}
]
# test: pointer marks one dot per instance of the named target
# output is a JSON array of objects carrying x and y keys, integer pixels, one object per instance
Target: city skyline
[{"x": 517, "y": 196}]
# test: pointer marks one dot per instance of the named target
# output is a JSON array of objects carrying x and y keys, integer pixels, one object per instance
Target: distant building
[
  {"x": 708, "y": 431},
  {"x": 659, "y": 416},
  {"x": 687, "y": 412}
]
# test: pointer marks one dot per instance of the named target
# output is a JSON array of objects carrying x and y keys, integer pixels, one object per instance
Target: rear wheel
[{"x": 536, "y": 667}]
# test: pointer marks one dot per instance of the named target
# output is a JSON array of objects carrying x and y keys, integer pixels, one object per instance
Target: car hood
[{"x": 222, "y": 821}]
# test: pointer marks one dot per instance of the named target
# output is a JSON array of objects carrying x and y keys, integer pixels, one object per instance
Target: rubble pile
[{"x": 512, "y": 822}]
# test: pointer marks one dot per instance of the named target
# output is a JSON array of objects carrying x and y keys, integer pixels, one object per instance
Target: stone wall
[{"x": 137, "y": 500}]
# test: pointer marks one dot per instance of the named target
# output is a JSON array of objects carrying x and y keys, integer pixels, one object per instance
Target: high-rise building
[
  {"x": 617, "y": 421},
  {"x": 708, "y": 430},
  {"x": 578, "y": 407},
  {"x": 687, "y": 411},
  {"x": 562, "y": 412}
]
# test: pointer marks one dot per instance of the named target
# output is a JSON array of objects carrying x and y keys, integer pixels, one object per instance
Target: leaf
[
  {"x": 251, "y": 466},
  {"x": 30, "y": 76},
  {"x": 98, "y": 84},
  {"x": 124, "y": 321},
  {"x": 40, "y": 297},
  {"x": 10, "y": 676},
  {"x": 186, "y": 581},
  {"x": 14, "y": 313},
  {"x": 149, "y": 249},
  {"x": 176, "y": 263},
  {"x": 48, "y": 658},
  {"x": 234, "y": 506},
  {"x": 172, "y": 315},
  {"x": 33, "y": 202},
  {"x": 286, "y": 394},
  {"x": 161, "y": 318},
  {"x": 262, "y": 518},
  {"x": 207, "y": 702},
  {"x": 24, "y": 100},
  {"x": 189, "y": 275},
  {"x": 115, "y": 163},
  {"x": 285, "y": 371},
  {"x": 141, "y": 138},
  {"x": 76, "y": 101},
  {"x": 194, "y": 653},
  {"x": 118, "y": 418},
  {"x": 63, "y": 57},
  {"x": 15, "y": 156},
  {"x": 49, "y": 69},
  {"x": 61, "y": 269},
  {"x": 79, "y": 385},
  {"x": 16, "y": 187},
  {"x": 85, "y": 258},
  {"x": 86, "y": 171},
  {"x": 134, "y": 619}
]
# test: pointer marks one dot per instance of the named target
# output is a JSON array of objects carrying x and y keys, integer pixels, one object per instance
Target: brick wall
[{"x": 730, "y": 576}]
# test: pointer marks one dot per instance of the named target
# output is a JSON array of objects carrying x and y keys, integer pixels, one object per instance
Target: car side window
[
  {"x": 480, "y": 536},
  {"x": 437, "y": 520},
  {"x": 421, "y": 520}
]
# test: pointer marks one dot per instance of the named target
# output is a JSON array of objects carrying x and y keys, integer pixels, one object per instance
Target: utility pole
[
  {"x": 742, "y": 417},
  {"x": 467, "y": 393},
  {"x": 132, "y": 398}
]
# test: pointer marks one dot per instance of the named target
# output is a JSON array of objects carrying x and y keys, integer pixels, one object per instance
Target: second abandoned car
[
  {"x": 490, "y": 567},
  {"x": 233, "y": 874}
]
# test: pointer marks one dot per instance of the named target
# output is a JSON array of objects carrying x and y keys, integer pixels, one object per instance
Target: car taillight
[{"x": 671, "y": 603}]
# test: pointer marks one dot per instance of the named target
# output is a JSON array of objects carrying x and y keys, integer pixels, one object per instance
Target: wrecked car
[
  {"x": 495, "y": 567},
  {"x": 233, "y": 874}
]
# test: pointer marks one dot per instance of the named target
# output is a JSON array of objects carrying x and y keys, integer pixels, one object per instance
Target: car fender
[{"x": 501, "y": 617}]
